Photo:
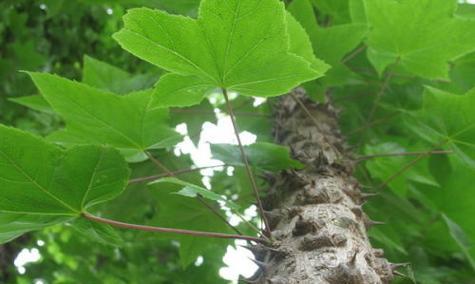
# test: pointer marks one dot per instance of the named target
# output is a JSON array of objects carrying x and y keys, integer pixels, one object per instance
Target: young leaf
[
  {"x": 43, "y": 184},
  {"x": 221, "y": 49},
  {"x": 193, "y": 190},
  {"x": 94, "y": 116},
  {"x": 263, "y": 155},
  {"x": 422, "y": 35}
]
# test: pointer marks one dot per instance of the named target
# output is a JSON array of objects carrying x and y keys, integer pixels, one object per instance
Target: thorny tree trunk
[{"x": 315, "y": 213}]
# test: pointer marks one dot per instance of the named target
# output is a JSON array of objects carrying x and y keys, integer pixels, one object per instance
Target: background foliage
[{"x": 402, "y": 74}]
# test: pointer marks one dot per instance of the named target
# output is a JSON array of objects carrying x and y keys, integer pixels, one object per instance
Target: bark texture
[{"x": 316, "y": 213}]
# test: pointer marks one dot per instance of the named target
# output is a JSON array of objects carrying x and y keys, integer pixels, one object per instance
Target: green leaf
[
  {"x": 97, "y": 232},
  {"x": 330, "y": 43},
  {"x": 95, "y": 116},
  {"x": 303, "y": 12},
  {"x": 194, "y": 117},
  {"x": 177, "y": 211},
  {"x": 456, "y": 204},
  {"x": 262, "y": 155},
  {"x": 34, "y": 102},
  {"x": 221, "y": 49},
  {"x": 254, "y": 119},
  {"x": 461, "y": 239},
  {"x": 333, "y": 43},
  {"x": 384, "y": 168},
  {"x": 423, "y": 36},
  {"x": 237, "y": 187},
  {"x": 193, "y": 190},
  {"x": 107, "y": 77},
  {"x": 42, "y": 184},
  {"x": 337, "y": 9},
  {"x": 448, "y": 119}
]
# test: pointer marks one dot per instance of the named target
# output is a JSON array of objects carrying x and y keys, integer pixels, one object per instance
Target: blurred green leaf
[
  {"x": 262, "y": 155},
  {"x": 429, "y": 39}
]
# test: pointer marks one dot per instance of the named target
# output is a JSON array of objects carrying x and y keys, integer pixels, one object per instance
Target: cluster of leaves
[
  {"x": 44, "y": 36},
  {"x": 400, "y": 71}
]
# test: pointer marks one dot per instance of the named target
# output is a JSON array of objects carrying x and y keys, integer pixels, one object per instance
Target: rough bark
[{"x": 316, "y": 213}]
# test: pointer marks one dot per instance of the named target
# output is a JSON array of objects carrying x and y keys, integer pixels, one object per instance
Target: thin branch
[
  {"x": 353, "y": 54},
  {"x": 377, "y": 99},
  {"x": 305, "y": 109},
  {"x": 399, "y": 154},
  {"x": 373, "y": 123},
  {"x": 246, "y": 162},
  {"x": 379, "y": 95},
  {"x": 145, "y": 228},
  {"x": 174, "y": 173},
  {"x": 217, "y": 213},
  {"x": 254, "y": 228},
  {"x": 408, "y": 166},
  {"x": 158, "y": 163},
  {"x": 401, "y": 171}
]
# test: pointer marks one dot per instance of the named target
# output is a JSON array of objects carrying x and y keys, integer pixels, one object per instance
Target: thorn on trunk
[
  {"x": 261, "y": 264},
  {"x": 367, "y": 195},
  {"x": 303, "y": 227},
  {"x": 357, "y": 211},
  {"x": 400, "y": 274},
  {"x": 396, "y": 266},
  {"x": 352, "y": 261},
  {"x": 257, "y": 250},
  {"x": 378, "y": 252},
  {"x": 369, "y": 223}
]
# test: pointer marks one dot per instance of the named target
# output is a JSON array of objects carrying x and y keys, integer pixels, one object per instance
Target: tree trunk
[{"x": 315, "y": 213}]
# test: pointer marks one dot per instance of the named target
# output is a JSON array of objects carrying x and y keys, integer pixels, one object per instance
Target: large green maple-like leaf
[
  {"x": 240, "y": 45},
  {"x": 95, "y": 116},
  {"x": 423, "y": 35},
  {"x": 41, "y": 184},
  {"x": 448, "y": 119}
]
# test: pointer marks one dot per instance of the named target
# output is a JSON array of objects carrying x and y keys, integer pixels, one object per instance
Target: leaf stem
[
  {"x": 145, "y": 228},
  {"x": 408, "y": 166},
  {"x": 399, "y": 154},
  {"x": 158, "y": 163},
  {"x": 379, "y": 95},
  {"x": 401, "y": 171},
  {"x": 246, "y": 163},
  {"x": 305, "y": 109},
  {"x": 353, "y": 54},
  {"x": 212, "y": 209}
]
